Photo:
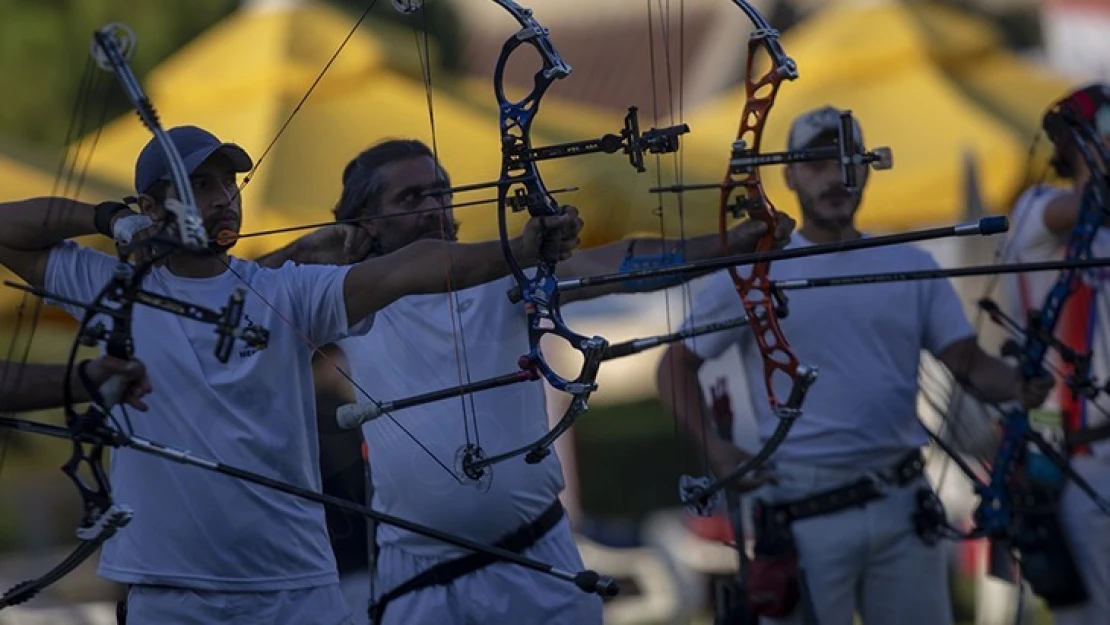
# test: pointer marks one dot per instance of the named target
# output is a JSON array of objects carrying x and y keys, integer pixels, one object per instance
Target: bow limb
[{"x": 112, "y": 47}]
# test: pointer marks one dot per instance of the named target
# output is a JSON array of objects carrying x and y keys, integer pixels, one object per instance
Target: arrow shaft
[
  {"x": 940, "y": 274},
  {"x": 983, "y": 227}
]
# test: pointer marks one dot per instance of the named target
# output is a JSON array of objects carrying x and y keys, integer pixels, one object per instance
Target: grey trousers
[{"x": 863, "y": 560}]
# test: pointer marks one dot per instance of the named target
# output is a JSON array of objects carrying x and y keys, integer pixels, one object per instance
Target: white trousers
[
  {"x": 159, "y": 605},
  {"x": 1088, "y": 529},
  {"x": 499, "y": 594},
  {"x": 863, "y": 560}
]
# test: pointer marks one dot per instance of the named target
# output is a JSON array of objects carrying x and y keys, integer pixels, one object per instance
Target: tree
[{"x": 44, "y": 54}]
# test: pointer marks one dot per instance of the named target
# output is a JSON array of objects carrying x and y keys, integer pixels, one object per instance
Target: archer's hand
[
  {"x": 335, "y": 244},
  {"x": 724, "y": 457},
  {"x": 136, "y": 384},
  {"x": 128, "y": 227},
  {"x": 1035, "y": 391},
  {"x": 552, "y": 238},
  {"x": 742, "y": 239}
]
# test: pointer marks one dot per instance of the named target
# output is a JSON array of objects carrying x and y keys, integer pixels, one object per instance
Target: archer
[
  {"x": 842, "y": 490},
  {"x": 1045, "y": 218},
  {"x": 398, "y": 193},
  {"x": 204, "y": 547}
]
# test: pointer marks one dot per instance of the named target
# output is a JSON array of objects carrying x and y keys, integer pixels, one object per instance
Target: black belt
[
  {"x": 1078, "y": 440},
  {"x": 857, "y": 493},
  {"x": 446, "y": 572}
]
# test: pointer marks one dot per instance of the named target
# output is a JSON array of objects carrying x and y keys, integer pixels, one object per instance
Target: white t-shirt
[
  {"x": 416, "y": 347},
  {"x": 193, "y": 527},
  {"x": 1031, "y": 241},
  {"x": 865, "y": 341}
]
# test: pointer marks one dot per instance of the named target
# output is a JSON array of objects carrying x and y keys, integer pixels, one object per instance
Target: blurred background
[{"x": 956, "y": 88}]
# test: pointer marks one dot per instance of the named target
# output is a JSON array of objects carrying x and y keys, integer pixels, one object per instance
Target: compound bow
[
  {"x": 1017, "y": 503},
  {"x": 88, "y": 431},
  {"x": 741, "y": 193}
]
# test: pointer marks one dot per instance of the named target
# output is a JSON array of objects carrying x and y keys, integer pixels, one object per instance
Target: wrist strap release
[{"x": 105, "y": 211}]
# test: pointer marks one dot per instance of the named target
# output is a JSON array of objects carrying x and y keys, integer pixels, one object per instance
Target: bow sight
[
  {"x": 745, "y": 159},
  {"x": 517, "y": 154},
  {"x": 630, "y": 140}
]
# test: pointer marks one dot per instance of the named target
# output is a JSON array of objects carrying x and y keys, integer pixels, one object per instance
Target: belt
[
  {"x": 446, "y": 572},
  {"x": 1079, "y": 441},
  {"x": 857, "y": 493}
]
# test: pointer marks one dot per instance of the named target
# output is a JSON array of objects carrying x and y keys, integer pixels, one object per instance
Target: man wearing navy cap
[
  {"x": 1042, "y": 222},
  {"x": 859, "y": 419},
  {"x": 205, "y": 547}
]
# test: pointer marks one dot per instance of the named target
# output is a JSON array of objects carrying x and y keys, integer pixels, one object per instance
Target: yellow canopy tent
[
  {"x": 26, "y": 174},
  {"x": 903, "y": 71},
  {"x": 358, "y": 102},
  {"x": 900, "y": 98},
  {"x": 1016, "y": 91}
]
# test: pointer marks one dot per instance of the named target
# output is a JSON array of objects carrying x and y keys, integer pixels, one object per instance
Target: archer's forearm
[
  {"x": 40, "y": 223},
  {"x": 421, "y": 268},
  {"x": 35, "y": 387},
  {"x": 456, "y": 266},
  {"x": 610, "y": 259}
]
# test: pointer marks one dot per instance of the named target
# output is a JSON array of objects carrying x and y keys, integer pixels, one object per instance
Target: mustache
[
  {"x": 211, "y": 220},
  {"x": 837, "y": 193}
]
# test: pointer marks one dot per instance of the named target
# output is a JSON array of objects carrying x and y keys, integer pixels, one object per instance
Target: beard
[{"x": 826, "y": 222}]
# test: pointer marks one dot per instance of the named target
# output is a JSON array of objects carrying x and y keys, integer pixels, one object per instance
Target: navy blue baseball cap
[{"x": 194, "y": 145}]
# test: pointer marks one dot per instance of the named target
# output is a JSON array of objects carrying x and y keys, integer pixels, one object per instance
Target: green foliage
[
  {"x": 630, "y": 457},
  {"x": 44, "y": 49}
]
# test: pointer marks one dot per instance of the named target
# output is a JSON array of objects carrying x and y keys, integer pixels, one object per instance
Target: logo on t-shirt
[
  {"x": 465, "y": 304},
  {"x": 247, "y": 352}
]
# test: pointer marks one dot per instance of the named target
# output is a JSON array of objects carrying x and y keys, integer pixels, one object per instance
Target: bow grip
[{"x": 111, "y": 391}]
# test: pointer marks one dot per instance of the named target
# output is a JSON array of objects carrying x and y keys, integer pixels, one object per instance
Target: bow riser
[{"x": 742, "y": 192}]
